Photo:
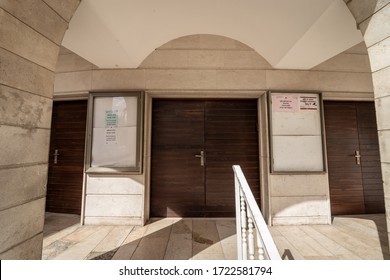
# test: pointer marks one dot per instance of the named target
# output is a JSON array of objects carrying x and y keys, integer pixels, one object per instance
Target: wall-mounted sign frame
[
  {"x": 114, "y": 132},
  {"x": 296, "y": 132}
]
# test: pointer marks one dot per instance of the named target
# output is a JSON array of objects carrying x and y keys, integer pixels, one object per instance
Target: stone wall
[
  {"x": 30, "y": 35},
  {"x": 373, "y": 19}
]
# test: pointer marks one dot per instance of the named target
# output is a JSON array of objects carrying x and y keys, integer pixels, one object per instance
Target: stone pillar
[
  {"x": 31, "y": 32},
  {"x": 373, "y": 19}
]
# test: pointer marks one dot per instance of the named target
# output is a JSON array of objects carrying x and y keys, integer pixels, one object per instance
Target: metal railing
[{"x": 254, "y": 241}]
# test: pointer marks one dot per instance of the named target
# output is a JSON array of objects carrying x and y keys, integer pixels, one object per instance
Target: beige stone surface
[
  {"x": 21, "y": 223},
  {"x": 300, "y": 206},
  {"x": 292, "y": 80},
  {"x": 22, "y": 74},
  {"x": 179, "y": 246},
  {"x": 341, "y": 81},
  {"x": 357, "y": 49},
  {"x": 113, "y": 185},
  {"x": 348, "y": 96},
  {"x": 241, "y": 79},
  {"x": 128, "y": 247},
  {"x": 380, "y": 55},
  {"x": 17, "y": 37},
  {"x": 72, "y": 62},
  {"x": 65, "y": 9},
  {"x": 22, "y": 184},
  {"x": 24, "y": 109},
  {"x": 381, "y": 82},
  {"x": 23, "y": 146},
  {"x": 113, "y": 205},
  {"x": 39, "y": 16},
  {"x": 180, "y": 79},
  {"x": 384, "y": 146},
  {"x": 124, "y": 79},
  {"x": 346, "y": 63},
  {"x": 299, "y": 185},
  {"x": 377, "y": 27},
  {"x": 205, "y": 59},
  {"x": 244, "y": 59},
  {"x": 73, "y": 81},
  {"x": 82, "y": 249},
  {"x": 113, "y": 240},
  {"x": 117, "y": 221},
  {"x": 382, "y": 106},
  {"x": 364, "y": 9},
  {"x": 31, "y": 249},
  {"x": 166, "y": 58}
]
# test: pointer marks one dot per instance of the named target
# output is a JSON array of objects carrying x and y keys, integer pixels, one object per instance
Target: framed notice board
[
  {"x": 115, "y": 132},
  {"x": 296, "y": 132}
]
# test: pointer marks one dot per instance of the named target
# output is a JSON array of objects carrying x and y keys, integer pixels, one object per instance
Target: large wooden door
[
  {"x": 66, "y": 158},
  {"x": 194, "y": 145},
  {"x": 355, "y": 177}
]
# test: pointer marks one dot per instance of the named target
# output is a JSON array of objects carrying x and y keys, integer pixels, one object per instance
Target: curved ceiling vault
[{"x": 297, "y": 34}]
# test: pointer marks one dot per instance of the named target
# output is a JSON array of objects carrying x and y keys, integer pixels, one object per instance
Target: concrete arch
[{"x": 31, "y": 32}]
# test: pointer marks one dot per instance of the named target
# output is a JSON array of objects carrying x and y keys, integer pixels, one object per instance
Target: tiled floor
[
  {"x": 348, "y": 238},
  {"x": 351, "y": 237},
  {"x": 170, "y": 239}
]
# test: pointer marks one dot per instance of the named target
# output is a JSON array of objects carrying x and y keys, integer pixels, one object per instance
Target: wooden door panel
[
  {"x": 65, "y": 179},
  {"x": 225, "y": 131},
  {"x": 345, "y": 178},
  {"x": 177, "y": 178},
  {"x": 231, "y": 137},
  {"x": 354, "y": 189}
]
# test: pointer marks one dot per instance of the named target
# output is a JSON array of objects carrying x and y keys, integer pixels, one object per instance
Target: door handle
[
  {"x": 358, "y": 157},
  {"x": 201, "y": 156},
  {"x": 56, "y": 154}
]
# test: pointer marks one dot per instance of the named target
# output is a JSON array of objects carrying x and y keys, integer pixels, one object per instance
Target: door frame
[{"x": 261, "y": 97}]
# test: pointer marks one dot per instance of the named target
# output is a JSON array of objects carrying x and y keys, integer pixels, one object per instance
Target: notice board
[
  {"x": 115, "y": 125},
  {"x": 296, "y": 132}
]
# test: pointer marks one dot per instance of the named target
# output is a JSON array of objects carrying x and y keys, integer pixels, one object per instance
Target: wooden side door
[
  {"x": 177, "y": 177},
  {"x": 66, "y": 158},
  {"x": 353, "y": 158},
  {"x": 194, "y": 145}
]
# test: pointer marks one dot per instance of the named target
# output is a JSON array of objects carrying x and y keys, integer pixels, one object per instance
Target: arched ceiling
[{"x": 290, "y": 34}]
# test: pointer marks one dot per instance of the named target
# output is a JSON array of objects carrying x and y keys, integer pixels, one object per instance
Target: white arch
[{"x": 295, "y": 34}]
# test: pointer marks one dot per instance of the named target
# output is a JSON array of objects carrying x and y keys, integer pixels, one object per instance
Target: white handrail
[{"x": 250, "y": 224}]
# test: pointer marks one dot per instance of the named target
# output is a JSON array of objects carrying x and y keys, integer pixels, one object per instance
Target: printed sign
[
  {"x": 285, "y": 103},
  {"x": 111, "y": 119},
  {"x": 308, "y": 103},
  {"x": 111, "y": 136}
]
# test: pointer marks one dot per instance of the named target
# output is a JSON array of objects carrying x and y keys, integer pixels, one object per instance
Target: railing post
[
  {"x": 249, "y": 219},
  {"x": 238, "y": 216},
  {"x": 243, "y": 227},
  {"x": 251, "y": 239}
]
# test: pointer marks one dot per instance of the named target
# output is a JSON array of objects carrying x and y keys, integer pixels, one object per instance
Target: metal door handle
[
  {"x": 358, "y": 157},
  {"x": 56, "y": 154},
  {"x": 201, "y": 156}
]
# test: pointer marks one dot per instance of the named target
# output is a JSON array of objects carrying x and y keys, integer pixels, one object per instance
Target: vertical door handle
[
  {"x": 201, "y": 156},
  {"x": 56, "y": 154},
  {"x": 358, "y": 157}
]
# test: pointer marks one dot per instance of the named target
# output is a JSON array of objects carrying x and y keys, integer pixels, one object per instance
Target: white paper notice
[{"x": 285, "y": 103}]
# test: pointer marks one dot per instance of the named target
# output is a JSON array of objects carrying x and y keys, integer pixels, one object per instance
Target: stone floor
[
  {"x": 349, "y": 237},
  {"x": 160, "y": 239}
]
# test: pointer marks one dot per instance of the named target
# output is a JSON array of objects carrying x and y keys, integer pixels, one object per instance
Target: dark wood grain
[
  {"x": 354, "y": 189},
  {"x": 65, "y": 179},
  {"x": 226, "y": 131}
]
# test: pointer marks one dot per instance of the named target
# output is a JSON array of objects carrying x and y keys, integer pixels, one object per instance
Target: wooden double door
[
  {"x": 355, "y": 177},
  {"x": 194, "y": 145}
]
